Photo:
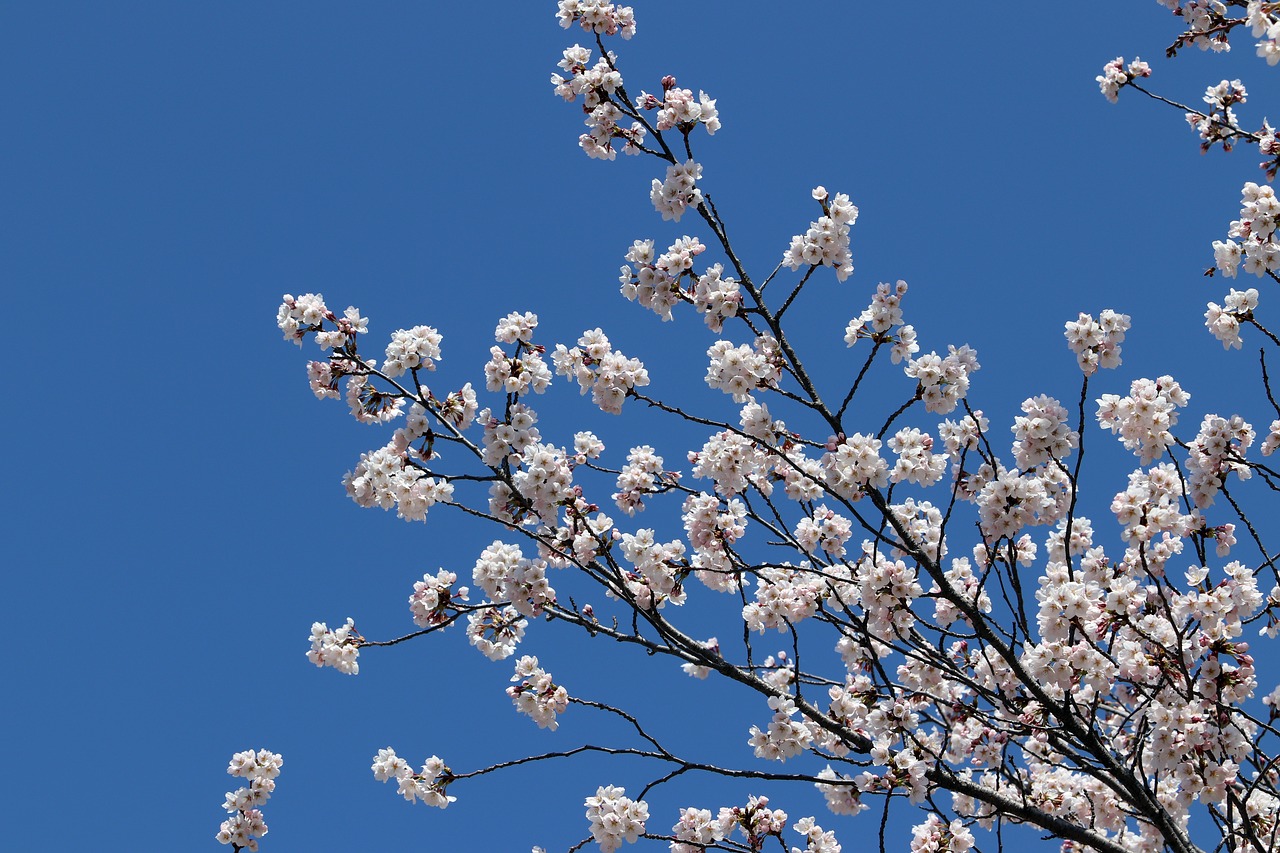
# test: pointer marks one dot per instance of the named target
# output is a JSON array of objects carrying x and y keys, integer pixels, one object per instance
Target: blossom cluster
[
  {"x": 660, "y": 569},
  {"x": 1041, "y": 433},
  {"x": 641, "y": 476},
  {"x": 386, "y": 478},
  {"x": 656, "y": 282},
  {"x": 428, "y": 786},
  {"x": 1223, "y": 321},
  {"x": 1206, "y": 22},
  {"x": 935, "y": 836},
  {"x": 1116, "y": 75},
  {"x": 853, "y": 464},
  {"x": 711, "y": 526},
  {"x": 1256, "y": 229},
  {"x": 596, "y": 84},
  {"x": 412, "y": 349},
  {"x": 536, "y": 695},
  {"x": 597, "y": 16},
  {"x": 432, "y": 597},
  {"x": 825, "y": 529},
  {"x": 716, "y": 296},
  {"x": 1148, "y": 511},
  {"x": 677, "y": 108},
  {"x": 817, "y": 840},
  {"x": 917, "y": 463},
  {"x": 606, "y": 373},
  {"x": 1218, "y": 450},
  {"x": 921, "y": 521},
  {"x": 739, "y": 370},
  {"x": 1272, "y": 441},
  {"x": 507, "y": 576},
  {"x": 755, "y": 821},
  {"x": 301, "y": 314},
  {"x": 962, "y": 579},
  {"x": 886, "y": 589},
  {"x": 786, "y": 737},
  {"x": 1208, "y": 25},
  {"x": 734, "y": 462},
  {"x": 1009, "y": 500},
  {"x": 1096, "y": 343},
  {"x": 1269, "y": 144},
  {"x": 944, "y": 380},
  {"x": 496, "y": 631},
  {"x": 604, "y": 125},
  {"x": 785, "y": 595},
  {"x": 593, "y": 84},
  {"x": 339, "y": 648},
  {"x": 545, "y": 480},
  {"x": 758, "y": 422},
  {"x": 615, "y": 818},
  {"x": 368, "y": 404},
  {"x": 678, "y": 191},
  {"x": 507, "y": 439},
  {"x": 1220, "y": 126},
  {"x": 524, "y": 371},
  {"x": 826, "y": 242},
  {"x": 1143, "y": 418},
  {"x": 843, "y": 798},
  {"x": 586, "y": 446},
  {"x": 879, "y": 318},
  {"x": 458, "y": 410},
  {"x": 695, "y": 831},
  {"x": 245, "y": 825}
]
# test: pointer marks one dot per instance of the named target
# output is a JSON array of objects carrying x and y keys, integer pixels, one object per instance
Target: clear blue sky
[{"x": 173, "y": 518}]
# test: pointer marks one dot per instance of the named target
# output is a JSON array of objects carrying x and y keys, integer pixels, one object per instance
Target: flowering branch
[{"x": 1103, "y": 704}]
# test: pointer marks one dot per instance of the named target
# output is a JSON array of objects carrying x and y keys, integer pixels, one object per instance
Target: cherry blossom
[
  {"x": 944, "y": 380},
  {"x": 1096, "y": 343},
  {"x": 615, "y": 818},
  {"x": 496, "y": 631},
  {"x": 1116, "y": 75},
  {"x": 607, "y": 374},
  {"x": 410, "y": 349},
  {"x": 740, "y": 370},
  {"x": 695, "y": 830},
  {"x": 678, "y": 108},
  {"x": 678, "y": 191},
  {"x": 426, "y": 786},
  {"x": 826, "y": 243},
  {"x": 936, "y": 837},
  {"x": 339, "y": 648},
  {"x": 432, "y": 597},
  {"x": 246, "y": 825},
  {"x": 643, "y": 474},
  {"x": 880, "y": 317},
  {"x": 1142, "y": 419},
  {"x": 597, "y": 16},
  {"x": 1223, "y": 321},
  {"x": 536, "y": 695}
]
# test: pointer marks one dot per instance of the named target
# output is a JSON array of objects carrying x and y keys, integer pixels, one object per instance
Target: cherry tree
[{"x": 971, "y": 641}]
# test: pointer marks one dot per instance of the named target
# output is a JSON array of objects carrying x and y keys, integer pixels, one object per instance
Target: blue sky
[{"x": 174, "y": 520}]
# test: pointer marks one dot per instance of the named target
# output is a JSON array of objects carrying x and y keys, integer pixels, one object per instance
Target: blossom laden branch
[{"x": 1101, "y": 704}]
